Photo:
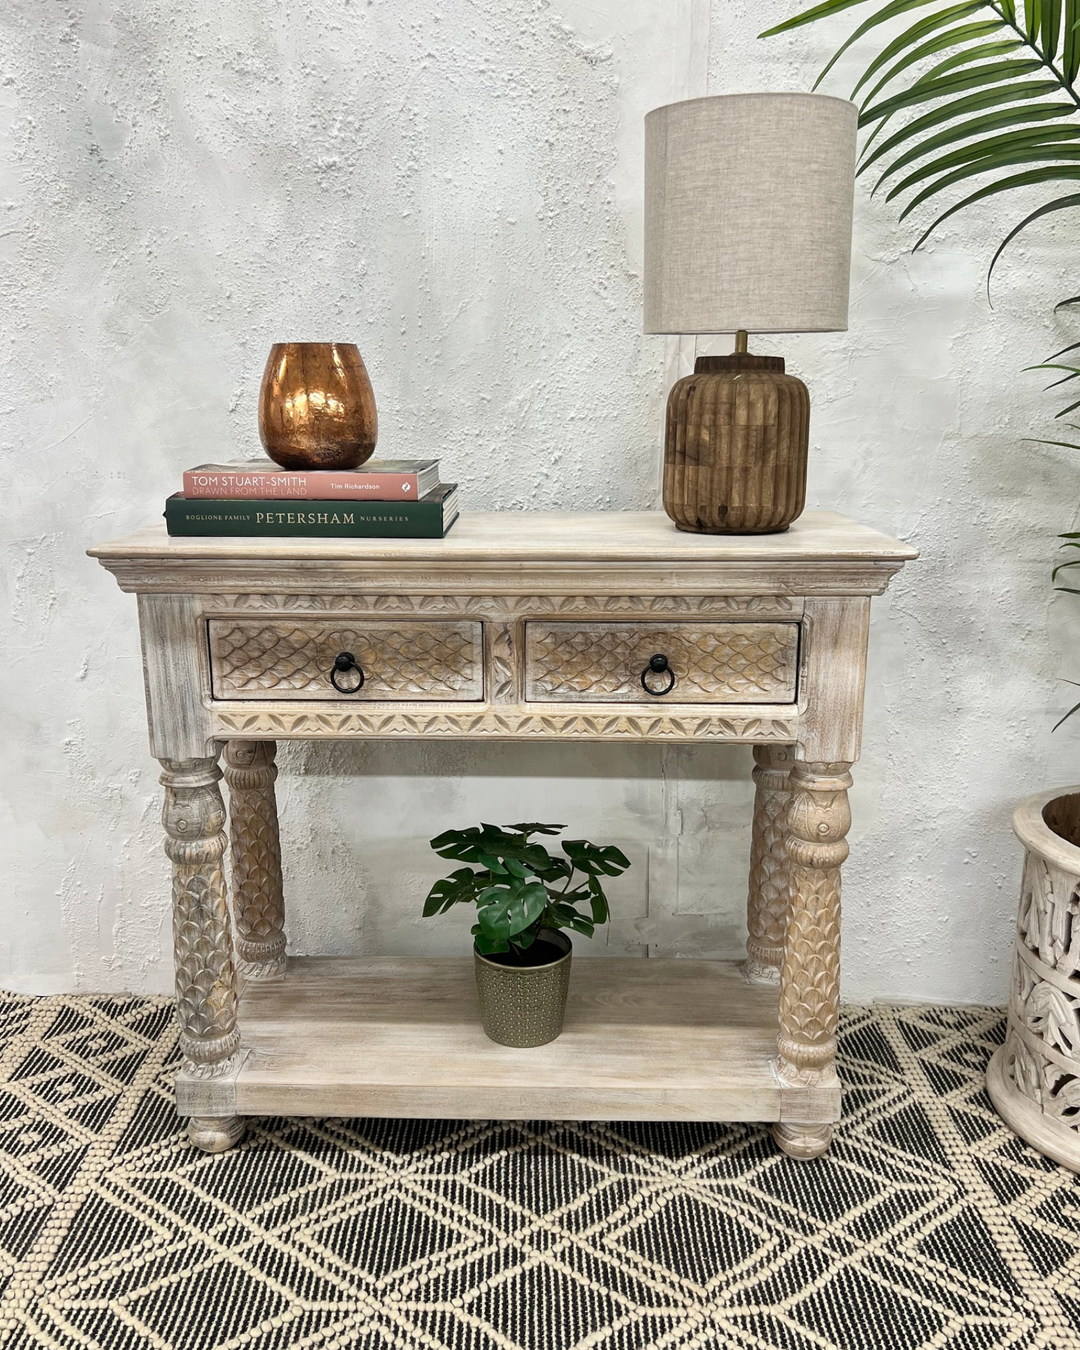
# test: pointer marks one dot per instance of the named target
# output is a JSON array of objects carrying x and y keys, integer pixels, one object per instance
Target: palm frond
[
  {"x": 1036, "y": 139},
  {"x": 986, "y": 164},
  {"x": 974, "y": 85},
  {"x": 978, "y": 126},
  {"x": 908, "y": 54}
]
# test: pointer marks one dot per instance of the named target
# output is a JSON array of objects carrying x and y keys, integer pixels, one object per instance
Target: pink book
[{"x": 385, "y": 480}]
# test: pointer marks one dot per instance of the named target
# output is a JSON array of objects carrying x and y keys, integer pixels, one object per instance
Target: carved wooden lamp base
[{"x": 735, "y": 454}]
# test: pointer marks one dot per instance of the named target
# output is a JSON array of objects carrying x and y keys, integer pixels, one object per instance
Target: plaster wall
[{"x": 456, "y": 187}]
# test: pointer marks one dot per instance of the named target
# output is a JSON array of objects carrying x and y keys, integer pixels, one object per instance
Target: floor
[{"x": 929, "y": 1225}]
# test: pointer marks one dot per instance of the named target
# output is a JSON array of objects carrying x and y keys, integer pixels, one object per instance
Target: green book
[{"x": 428, "y": 518}]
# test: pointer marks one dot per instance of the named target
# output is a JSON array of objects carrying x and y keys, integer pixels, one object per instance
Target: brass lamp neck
[{"x": 740, "y": 340}]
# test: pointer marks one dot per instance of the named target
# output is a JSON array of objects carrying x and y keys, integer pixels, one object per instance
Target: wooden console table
[{"x": 518, "y": 625}]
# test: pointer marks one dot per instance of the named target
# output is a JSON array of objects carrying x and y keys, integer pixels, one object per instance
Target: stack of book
[{"x": 385, "y": 499}]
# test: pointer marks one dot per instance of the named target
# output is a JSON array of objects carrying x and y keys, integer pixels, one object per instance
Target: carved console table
[{"x": 516, "y": 626}]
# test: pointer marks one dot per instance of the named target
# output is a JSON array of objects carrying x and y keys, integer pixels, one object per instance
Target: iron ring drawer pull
[
  {"x": 345, "y": 661},
  {"x": 658, "y": 665}
]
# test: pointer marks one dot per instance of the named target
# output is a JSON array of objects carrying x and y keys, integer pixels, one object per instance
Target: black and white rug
[{"x": 929, "y": 1225}]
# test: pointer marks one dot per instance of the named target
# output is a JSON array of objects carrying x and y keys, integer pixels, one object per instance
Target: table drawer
[
  {"x": 427, "y": 660},
  {"x": 711, "y": 662}
]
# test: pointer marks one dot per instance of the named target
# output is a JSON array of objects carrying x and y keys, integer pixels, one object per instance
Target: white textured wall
[{"x": 456, "y": 187}]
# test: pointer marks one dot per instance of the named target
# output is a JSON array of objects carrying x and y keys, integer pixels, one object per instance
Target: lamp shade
[{"x": 748, "y": 201}]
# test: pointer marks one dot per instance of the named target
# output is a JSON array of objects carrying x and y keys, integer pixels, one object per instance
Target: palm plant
[{"x": 998, "y": 100}]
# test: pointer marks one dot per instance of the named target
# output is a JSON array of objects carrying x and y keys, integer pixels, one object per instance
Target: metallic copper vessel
[{"x": 316, "y": 406}]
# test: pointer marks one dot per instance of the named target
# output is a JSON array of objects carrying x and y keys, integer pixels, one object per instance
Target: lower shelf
[{"x": 643, "y": 1040}]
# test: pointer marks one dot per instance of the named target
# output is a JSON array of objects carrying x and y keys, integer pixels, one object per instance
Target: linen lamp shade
[{"x": 748, "y": 201}]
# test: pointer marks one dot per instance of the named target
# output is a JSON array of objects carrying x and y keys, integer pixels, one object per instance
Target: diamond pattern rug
[{"x": 928, "y": 1225}]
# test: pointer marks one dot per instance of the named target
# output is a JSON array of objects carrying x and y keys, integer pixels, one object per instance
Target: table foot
[
  {"x": 799, "y": 1139},
  {"x": 757, "y": 972},
  {"x": 215, "y": 1134}
]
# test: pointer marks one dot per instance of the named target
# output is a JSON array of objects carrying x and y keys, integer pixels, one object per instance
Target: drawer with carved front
[
  {"x": 390, "y": 659},
  {"x": 646, "y": 662}
]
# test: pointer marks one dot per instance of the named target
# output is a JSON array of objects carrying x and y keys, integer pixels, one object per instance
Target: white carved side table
[{"x": 518, "y": 625}]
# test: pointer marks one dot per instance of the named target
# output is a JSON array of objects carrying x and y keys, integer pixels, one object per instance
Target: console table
[{"x": 518, "y": 625}]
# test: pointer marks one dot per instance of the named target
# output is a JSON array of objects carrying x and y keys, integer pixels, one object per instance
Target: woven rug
[{"x": 929, "y": 1225}]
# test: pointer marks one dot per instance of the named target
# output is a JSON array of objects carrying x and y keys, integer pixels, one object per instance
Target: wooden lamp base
[{"x": 735, "y": 455}]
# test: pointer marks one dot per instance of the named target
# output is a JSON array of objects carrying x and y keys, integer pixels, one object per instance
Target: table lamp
[{"x": 748, "y": 201}]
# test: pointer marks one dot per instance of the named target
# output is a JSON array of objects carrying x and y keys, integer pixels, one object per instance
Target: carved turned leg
[
  {"x": 194, "y": 816},
  {"x": 818, "y": 820},
  {"x": 770, "y": 867},
  {"x": 258, "y": 905}
]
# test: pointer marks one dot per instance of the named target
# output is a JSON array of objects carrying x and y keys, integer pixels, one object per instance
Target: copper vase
[{"x": 316, "y": 406}]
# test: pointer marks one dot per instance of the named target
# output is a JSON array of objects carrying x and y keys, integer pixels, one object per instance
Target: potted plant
[{"x": 524, "y": 898}]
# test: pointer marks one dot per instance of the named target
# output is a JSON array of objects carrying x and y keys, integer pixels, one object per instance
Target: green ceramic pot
[{"x": 524, "y": 1005}]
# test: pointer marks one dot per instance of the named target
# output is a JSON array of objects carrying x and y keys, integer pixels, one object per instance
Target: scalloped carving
[
  {"x": 271, "y": 724},
  {"x": 766, "y": 606}
]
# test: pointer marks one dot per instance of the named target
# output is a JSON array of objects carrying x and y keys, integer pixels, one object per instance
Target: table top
[{"x": 539, "y": 536}]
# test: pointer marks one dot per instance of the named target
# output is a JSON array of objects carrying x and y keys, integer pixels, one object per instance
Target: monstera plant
[{"x": 524, "y": 895}]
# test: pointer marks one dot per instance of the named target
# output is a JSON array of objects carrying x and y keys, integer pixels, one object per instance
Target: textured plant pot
[
  {"x": 1034, "y": 1079},
  {"x": 524, "y": 1005}
]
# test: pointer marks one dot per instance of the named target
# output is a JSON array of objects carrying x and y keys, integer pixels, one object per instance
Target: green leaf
[
  {"x": 521, "y": 904},
  {"x": 995, "y": 121},
  {"x": 460, "y": 885},
  {"x": 599, "y": 907},
  {"x": 1061, "y": 173},
  {"x": 936, "y": 74},
  {"x": 1032, "y": 15},
  {"x": 533, "y": 828},
  {"x": 971, "y": 103},
  {"x": 581, "y": 926},
  {"x": 986, "y": 165},
  {"x": 821, "y": 11},
  {"x": 1033, "y": 138},
  {"x": 941, "y": 42},
  {"x": 490, "y": 895},
  {"x": 1064, "y": 567},
  {"x": 1070, "y": 53},
  {"x": 1075, "y": 705},
  {"x": 1050, "y": 27},
  {"x": 903, "y": 43},
  {"x": 592, "y": 859},
  {"x": 488, "y": 946},
  {"x": 892, "y": 11},
  {"x": 995, "y": 72},
  {"x": 560, "y": 870},
  {"x": 1059, "y": 204}
]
